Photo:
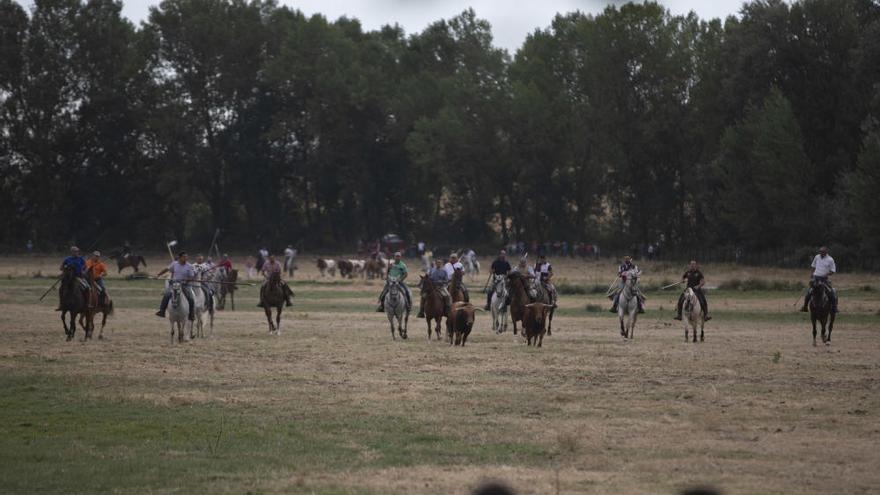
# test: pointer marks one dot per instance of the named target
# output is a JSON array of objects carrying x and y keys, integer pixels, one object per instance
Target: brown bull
[
  {"x": 534, "y": 322},
  {"x": 460, "y": 322}
]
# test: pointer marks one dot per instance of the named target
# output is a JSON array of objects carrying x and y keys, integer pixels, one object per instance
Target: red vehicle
[{"x": 392, "y": 243}]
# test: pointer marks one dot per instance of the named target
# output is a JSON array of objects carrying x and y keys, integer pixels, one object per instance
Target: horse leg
[
  {"x": 830, "y": 327},
  {"x": 686, "y": 328},
  {"x": 428, "y": 321},
  {"x": 813, "y": 320},
  {"x": 278, "y": 312},
  {"x": 172, "y": 333},
  {"x": 702, "y": 326},
  {"x": 549, "y": 323},
  {"x": 405, "y": 324},
  {"x": 268, "y": 311},
  {"x": 622, "y": 328},
  {"x": 103, "y": 322},
  {"x": 391, "y": 324}
]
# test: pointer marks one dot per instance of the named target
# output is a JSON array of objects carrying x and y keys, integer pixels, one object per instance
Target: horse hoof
[{"x": 827, "y": 342}]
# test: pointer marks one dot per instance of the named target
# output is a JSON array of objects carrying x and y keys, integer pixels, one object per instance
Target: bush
[{"x": 593, "y": 308}]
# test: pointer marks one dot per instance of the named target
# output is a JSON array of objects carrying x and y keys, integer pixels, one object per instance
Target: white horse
[
  {"x": 694, "y": 317},
  {"x": 497, "y": 304},
  {"x": 470, "y": 263},
  {"x": 200, "y": 303},
  {"x": 628, "y": 303},
  {"x": 178, "y": 312},
  {"x": 395, "y": 308}
]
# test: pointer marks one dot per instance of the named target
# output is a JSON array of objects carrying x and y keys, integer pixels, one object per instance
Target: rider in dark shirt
[
  {"x": 694, "y": 279},
  {"x": 499, "y": 267}
]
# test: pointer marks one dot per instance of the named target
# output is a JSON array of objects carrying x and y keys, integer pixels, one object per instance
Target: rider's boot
[
  {"x": 488, "y": 302},
  {"x": 806, "y": 302},
  {"x": 381, "y": 307},
  {"x": 287, "y": 302},
  {"x": 163, "y": 306},
  {"x": 678, "y": 308}
]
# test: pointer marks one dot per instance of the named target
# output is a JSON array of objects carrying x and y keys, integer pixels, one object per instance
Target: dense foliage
[{"x": 628, "y": 127}]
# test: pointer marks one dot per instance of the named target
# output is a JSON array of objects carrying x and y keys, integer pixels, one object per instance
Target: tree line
[{"x": 629, "y": 127}]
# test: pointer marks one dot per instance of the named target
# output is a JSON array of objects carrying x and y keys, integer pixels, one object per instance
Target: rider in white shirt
[
  {"x": 450, "y": 269},
  {"x": 823, "y": 267}
]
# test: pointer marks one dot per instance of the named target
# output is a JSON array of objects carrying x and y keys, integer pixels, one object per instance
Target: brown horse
[
  {"x": 455, "y": 287},
  {"x": 435, "y": 308},
  {"x": 129, "y": 260},
  {"x": 104, "y": 305},
  {"x": 227, "y": 289},
  {"x": 73, "y": 299},
  {"x": 272, "y": 296},
  {"x": 519, "y": 297}
]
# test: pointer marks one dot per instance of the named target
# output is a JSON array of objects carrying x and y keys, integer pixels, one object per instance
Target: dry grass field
[{"x": 334, "y": 406}]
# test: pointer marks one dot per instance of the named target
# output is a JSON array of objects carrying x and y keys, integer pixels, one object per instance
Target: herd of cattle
[{"x": 351, "y": 268}]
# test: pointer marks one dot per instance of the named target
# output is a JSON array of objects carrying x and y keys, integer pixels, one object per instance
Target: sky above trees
[{"x": 511, "y": 20}]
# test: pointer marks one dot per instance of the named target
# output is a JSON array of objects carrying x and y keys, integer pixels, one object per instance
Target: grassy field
[{"x": 334, "y": 406}]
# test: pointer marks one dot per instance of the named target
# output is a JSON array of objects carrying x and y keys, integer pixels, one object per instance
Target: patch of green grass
[{"x": 55, "y": 437}]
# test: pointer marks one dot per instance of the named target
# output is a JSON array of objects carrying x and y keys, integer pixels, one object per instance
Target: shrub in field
[{"x": 593, "y": 308}]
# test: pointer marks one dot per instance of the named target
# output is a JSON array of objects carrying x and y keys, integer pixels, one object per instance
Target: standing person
[
  {"x": 262, "y": 254},
  {"x": 624, "y": 267},
  {"x": 545, "y": 273},
  {"x": 269, "y": 267},
  {"x": 499, "y": 267},
  {"x": 397, "y": 270},
  {"x": 823, "y": 267},
  {"x": 290, "y": 260},
  {"x": 451, "y": 267},
  {"x": 695, "y": 281},
  {"x": 438, "y": 277},
  {"x": 181, "y": 271},
  {"x": 96, "y": 270},
  {"x": 29, "y": 246}
]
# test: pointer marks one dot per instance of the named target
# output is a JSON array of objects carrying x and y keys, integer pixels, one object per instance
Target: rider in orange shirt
[{"x": 96, "y": 269}]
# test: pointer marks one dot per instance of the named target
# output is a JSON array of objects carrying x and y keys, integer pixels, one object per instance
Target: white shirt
[
  {"x": 449, "y": 268},
  {"x": 289, "y": 253},
  {"x": 822, "y": 267},
  {"x": 200, "y": 269}
]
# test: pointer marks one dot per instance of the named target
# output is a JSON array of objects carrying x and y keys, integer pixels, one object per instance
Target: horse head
[
  {"x": 175, "y": 294},
  {"x": 631, "y": 277},
  {"x": 500, "y": 285},
  {"x": 275, "y": 278}
]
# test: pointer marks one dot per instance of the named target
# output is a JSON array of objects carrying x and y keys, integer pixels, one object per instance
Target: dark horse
[
  {"x": 128, "y": 260},
  {"x": 228, "y": 289},
  {"x": 519, "y": 297},
  {"x": 73, "y": 299},
  {"x": 435, "y": 307},
  {"x": 455, "y": 288},
  {"x": 272, "y": 296},
  {"x": 821, "y": 310}
]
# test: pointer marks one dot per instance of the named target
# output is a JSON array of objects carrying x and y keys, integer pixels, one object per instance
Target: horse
[
  {"x": 628, "y": 303},
  {"x": 821, "y": 310},
  {"x": 519, "y": 297},
  {"x": 433, "y": 305},
  {"x": 272, "y": 296},
  {"x": 178, "y": 312},
  {"x": 497, "y": 303},
  {"x": 395, "y": 307},
  {"x": 200, "y": 303},
  {"x": 694, "y": 316},
  {"x": 471, "y": 264},
  {"x": 72, "y": 299},
  {"x": 103, "y": 307},
  {"x": 128, "y": 260},
  {"x": 455, "y": 288},
  {"x": 227, "y": 288}
]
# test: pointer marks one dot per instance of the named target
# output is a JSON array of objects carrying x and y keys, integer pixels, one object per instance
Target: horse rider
[
  {"x": 289, "y": 260},
  {"x": 529, "y": 274},
  {"x": 181, "y": 271},
  {"x": 225, "y": 263},
  {"x": 451, "y": 267},
  {"x": 202, "y": 269},
  {"x": 78, "y": 264},
  {"x": 96, "y": 269},
  {"x": 823, "y": 267},
  {"x": 545, "y": 272},
  {"x": 437, "y": 275},
  {"x": 269, "y": 267},
  {"x": 398, "y": 271},
  {"x": 694, "y": 280},
  {"x": 624, "y": 267},
  {"x": 499, "y": 267}
]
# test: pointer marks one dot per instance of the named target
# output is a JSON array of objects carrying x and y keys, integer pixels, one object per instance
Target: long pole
[{"x": 50, "y": 289}]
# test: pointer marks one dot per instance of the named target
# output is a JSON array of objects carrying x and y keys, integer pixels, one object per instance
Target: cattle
[
  {"x": 534, "y": 322},
  {"x": 327, "y": 267},
  {"x": 357, "y": 267},
  {"x": 345, "y": 268},
  {"x": 374, "y": 269},
  {"x": 460, "y": 322}
]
